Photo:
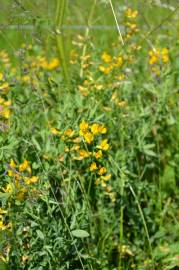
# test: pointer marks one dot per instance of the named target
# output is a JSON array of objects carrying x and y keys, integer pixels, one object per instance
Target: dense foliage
[{"x": 89, "y": 140}]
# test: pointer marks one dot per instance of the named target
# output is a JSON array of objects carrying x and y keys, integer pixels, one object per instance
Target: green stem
[
  {"x": 86, "y": 37},
  {"x": 144, "y": 223},
  {"x": 60, "y": 12}
]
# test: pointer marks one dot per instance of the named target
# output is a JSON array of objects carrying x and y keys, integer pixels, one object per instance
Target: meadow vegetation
[{"x": 89, "y": 135}]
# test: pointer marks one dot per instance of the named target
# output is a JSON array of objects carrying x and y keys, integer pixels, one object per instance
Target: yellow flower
[
  {"x": 31, "y": 180},
  {"x": 154, "y": 56},
  {"x": 83, "y": 90},
  {"x": 69, "y": 132},
  {"x": 108, "y": 189},
  {"x": 102, "y": 171},
  {"x": 165, "y": 57},
  {"x": 62, "y": 138},
  {"x": 6, "y": 113},
  {"x": 106, "y": 70},
  {"x": 83, "y": 153},
  {"x": 112, "y": 196},
  {"x": 158, "y": 54},
  {"x": 12, "y": 163},
  {"x": 106, "y": 177},
  {"x": 8, "y": 103},
  {"x": 1, "y": 76},
  {"x": 153, "y": 60},
  {"x": 118, "y": 61},
  {"x": 25, "y": 78},
  {"x": 165, "y": 51},
  {"x": 121, "y": 104},
  {"x": 25, "y": 258},
  {"x": 9, "y": 188},
  {"x": 42, "y": 62},
  {"x": 54, "y": 131},
  {"x": 24, "y": 166},
  {"x": 67, "y": 149},
  {"x": 2, "y": 211},
  {"x": 95, "y": 129},
  {"x": 103, "y": 184},
  {"x": 106, "y": 57},
  {"x": 77, "y": 140},
  {"x": 53, "y": 64},
  {"x": 98, "y": 154},
  {"x": 102, "y": 129},
  {"x": 98, "y": 86},
  {"x": 88, "y": 136},
  {"x": 4, "y": 86},
  {"x": 2, "y": 226},
  {"x": 75, "y": 148},
  {"x": 132, "y": 26},
  {"x": 104, "y": 145},
  {"x": 34, "y": 179},
  {"x": 132, "y": 14},
  {"x": 83, "y": 128},
  {"x": 11, "y": 173},
  {"x": 93, "y": 167},
  {"x": 27, "y": 181},
  {"x": 98, "y": 129},
  {"x": 154, "y": 52},
  {"x": 121, "y": 77},
  {"x": 17, "y": 176}
]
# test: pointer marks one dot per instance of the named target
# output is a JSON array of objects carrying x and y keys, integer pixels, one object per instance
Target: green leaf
[
  {"x": 150, "y": 153},
  {"x": 40, "y": 234},
  {"x": 168, "y": 179},
  {"x": 80, "y": 233},
  {"x": 36, "y": 144}
]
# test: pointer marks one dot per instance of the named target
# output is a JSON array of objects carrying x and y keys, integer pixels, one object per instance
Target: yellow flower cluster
[
  {"x": 5, "y": 104},
  {"x": 106, "y": 57},
  {"x": 54, "y": 131},
  {"x": 90, "y": 84},
  {"x": 158, "y": 55},
  {"x": 22, "y": 178},
  {"x": 37, "y": 62},
  {"x": 49, "y": 65},
  {"x": 5, "y": 108},
  {"x": 110, "y": 63},
  {"x": 130, "y": 13},
  {"x": 89, "y": 145},
  {"x": 131, "y": 25},
  {"x": 88, "y": 132},
  {"x": 4, "y": 86}
]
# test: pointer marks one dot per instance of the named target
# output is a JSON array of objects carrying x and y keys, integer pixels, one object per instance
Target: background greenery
[{"x": 66, "y": 221}]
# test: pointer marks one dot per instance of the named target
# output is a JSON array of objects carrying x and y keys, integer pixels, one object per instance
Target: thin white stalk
[{"x": 115, "y": 18}]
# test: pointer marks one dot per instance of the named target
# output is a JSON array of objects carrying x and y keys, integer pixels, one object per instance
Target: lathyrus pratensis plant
[
  {"x": 20, "y": 186},
  {"x": 87, "y": 149}
]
